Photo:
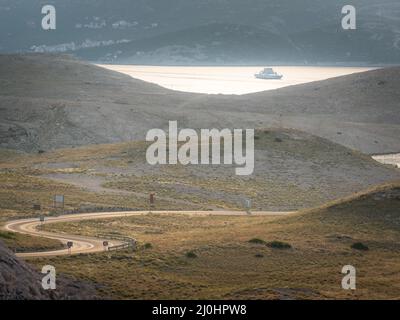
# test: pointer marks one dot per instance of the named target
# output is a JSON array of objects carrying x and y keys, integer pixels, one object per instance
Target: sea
[{"x": 229, "y": 80}]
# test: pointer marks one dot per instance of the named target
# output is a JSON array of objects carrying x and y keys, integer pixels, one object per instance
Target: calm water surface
[{"x": 228, "y": 80}]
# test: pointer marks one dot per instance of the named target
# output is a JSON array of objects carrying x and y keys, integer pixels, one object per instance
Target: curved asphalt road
[{"x": 89, "y": 244}]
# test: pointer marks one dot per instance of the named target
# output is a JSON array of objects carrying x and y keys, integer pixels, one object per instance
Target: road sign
[
  {"x": 152, "y": 199},
  {"x": 105, "y": 243},
  {"x": 70, "y": 244},
  {"x": 247, "y": 204},
  {"x": 59, "y": 201}
]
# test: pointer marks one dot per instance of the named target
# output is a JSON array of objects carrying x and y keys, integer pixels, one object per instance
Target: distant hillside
[
  {"x": 49, "y": 102},
  {"x": 360, "y": 111},
  {"x": 54, "y": 101},
  {"x": 372, "y": 210},
  {"x": 237, "y": 44},
  {"x": 215, "y": 43},
  {"x": 212, "y": 32},
  {"x": 292, "y": 170}
]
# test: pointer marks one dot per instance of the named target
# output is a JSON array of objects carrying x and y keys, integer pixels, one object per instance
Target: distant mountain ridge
[{"x": 207, "y": 32}]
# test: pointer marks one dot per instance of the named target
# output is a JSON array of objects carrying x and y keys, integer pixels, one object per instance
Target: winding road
[{"x": 83, "y": 244}]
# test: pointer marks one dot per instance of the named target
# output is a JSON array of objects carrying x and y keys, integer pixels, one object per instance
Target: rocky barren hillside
[
  {"x": 360, "y": 111},
  {"x": 18, "y": 281},
  {"x": 54, "y": 101}
]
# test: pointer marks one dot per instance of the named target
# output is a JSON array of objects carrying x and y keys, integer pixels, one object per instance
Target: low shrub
[
  {"x": 147, "y": 245},
  {"x": 256, "y": 241},
  {"x": 279, "y": 245},
  {"x": 359, "y": 246},
  {"x": 191, "y": 255}
]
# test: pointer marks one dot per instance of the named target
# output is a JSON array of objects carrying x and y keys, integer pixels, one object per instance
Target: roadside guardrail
[{"x": 127, "y": 241}]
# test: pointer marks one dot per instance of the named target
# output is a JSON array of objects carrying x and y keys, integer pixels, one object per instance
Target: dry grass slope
[
  {"x": 292, "y": 170},
  {"x": 228, "y": 265},
  {"x": 25, "y": 243}
]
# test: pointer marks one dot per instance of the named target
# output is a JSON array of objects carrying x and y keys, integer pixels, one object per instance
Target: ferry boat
[{"x": 268, "y": 73}]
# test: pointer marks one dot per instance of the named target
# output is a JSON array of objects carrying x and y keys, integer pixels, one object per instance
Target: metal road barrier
[{"x": 127, "y": 241}]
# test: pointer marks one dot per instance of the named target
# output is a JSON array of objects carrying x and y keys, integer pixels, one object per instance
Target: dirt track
[{"x": 89, "y": 244}]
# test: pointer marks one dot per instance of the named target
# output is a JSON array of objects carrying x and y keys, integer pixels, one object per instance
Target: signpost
[
  {"x": 152, "y": 199},
  {"x": 37, "y": 207},
  {"x": 59, "y": 202},
  {"x": 247, "y": 204},
  {"x": 105, "y": 245},
  {"x": 70, "y": 244},
  {"x": 133, "y": 244}
]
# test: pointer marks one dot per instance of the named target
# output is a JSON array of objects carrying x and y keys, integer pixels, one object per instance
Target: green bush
[
  {"x": 279, "y": 245},
  {"x": 359, "y": 246},
  {"x": 148, "y": 245},
  {"x": 257, "y": 241},
  {"x": 191, "y": 255}
]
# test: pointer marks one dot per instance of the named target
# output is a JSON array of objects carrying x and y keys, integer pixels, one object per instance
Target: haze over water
[{"x": 228, "y": 80}]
